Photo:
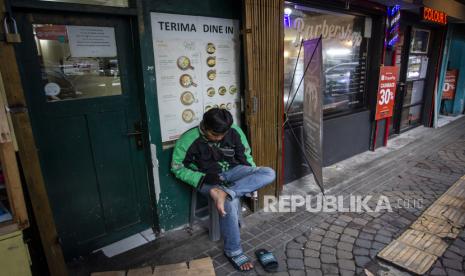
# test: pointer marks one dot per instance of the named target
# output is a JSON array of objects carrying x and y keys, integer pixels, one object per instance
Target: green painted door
[{"x": 80, "y": 77}]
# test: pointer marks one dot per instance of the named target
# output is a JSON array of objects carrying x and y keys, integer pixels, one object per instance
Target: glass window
[
  {"x": 112, "y": 3},
  {"x": 411, "y": 116},
  {"x": 77, "y": 62},
  {"x": 345, "y": 44},
  {"x": 414, "y": 92},
  {"x": 5, "y": 214},
  {"x": 413, "y": 67},
  {"x": 420, "y": 40}
]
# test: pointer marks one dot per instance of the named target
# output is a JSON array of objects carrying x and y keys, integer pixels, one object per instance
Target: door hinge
[{"x": 254, "y": 105}]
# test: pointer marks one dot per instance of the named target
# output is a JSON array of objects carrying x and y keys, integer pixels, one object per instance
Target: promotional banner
[
  {"x": 450, "y": 82},
  {"x": 386, "y": 92},
  {"x": 313, "y": 107},
  {"x": 197, "y": 67}
]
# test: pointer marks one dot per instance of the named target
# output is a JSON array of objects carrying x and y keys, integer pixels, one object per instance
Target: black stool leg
[
  {"x": 193, "y": 207},
  {"x": 214, "y": 232}
]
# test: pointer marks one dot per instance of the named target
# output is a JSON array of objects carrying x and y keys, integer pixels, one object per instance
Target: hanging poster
[
  {"x": 196, "y": 69},
  {"x": 386, "y": 92},
  {"x": 91, "y": 41},
  {"x": 313, "y": 107},
  {"x": 450, "y": 82}
]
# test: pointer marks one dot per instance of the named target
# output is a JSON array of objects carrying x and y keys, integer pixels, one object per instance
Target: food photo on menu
[
  {"x": 211, "y": 48},
  {"x": 184, "y": 63},
  {"x": 186, "y": 81},
  {"x": 187, "y": 98},
  {"x": 211, "y": 61}
]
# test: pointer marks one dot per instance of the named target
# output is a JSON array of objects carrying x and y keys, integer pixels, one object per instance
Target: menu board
[{"x": 196, "y": 68}]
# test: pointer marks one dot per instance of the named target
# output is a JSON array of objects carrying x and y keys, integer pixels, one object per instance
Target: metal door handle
[
  {"x": 134, "y": 133},
  {"x": 137, "y": 133}
]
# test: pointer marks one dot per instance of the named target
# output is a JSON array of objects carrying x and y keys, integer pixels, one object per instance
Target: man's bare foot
[
  {"x": 247, "y": 266},
  {"x": 219, "y": 196},
  {"x": 241, "y": 262}
]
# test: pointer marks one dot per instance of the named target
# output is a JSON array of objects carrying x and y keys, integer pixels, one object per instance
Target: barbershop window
[{"x": 345, "y": 41}]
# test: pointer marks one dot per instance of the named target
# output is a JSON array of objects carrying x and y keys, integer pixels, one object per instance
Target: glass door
[
  {"x": 417, "y": 66},
  {"x": 411, "y": 56}
]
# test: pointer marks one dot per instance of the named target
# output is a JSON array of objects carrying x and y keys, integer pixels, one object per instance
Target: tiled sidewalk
[
  {"x": 335, "y": 243},
  {"x": 347, "y": 243}
]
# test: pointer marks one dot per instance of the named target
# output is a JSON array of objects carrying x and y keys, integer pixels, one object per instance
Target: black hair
[{"x": 217, "y": 120}]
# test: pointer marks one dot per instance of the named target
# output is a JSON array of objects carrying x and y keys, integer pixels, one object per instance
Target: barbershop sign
[{"x": 328, "y": 29}]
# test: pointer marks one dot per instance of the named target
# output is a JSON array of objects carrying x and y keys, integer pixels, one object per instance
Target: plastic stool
[{"x": 214, "y": 232}]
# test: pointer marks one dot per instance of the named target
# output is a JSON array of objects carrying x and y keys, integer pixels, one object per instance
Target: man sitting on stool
[{"x": 215, "y": 159}]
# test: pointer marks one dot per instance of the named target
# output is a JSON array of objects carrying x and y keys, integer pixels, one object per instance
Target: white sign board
[
  {"x": 89, "y": 41},
  {"x": 196, "y": 68}
]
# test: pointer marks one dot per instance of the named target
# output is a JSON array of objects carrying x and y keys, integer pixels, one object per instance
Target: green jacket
[{"x": 194, "y": 156}]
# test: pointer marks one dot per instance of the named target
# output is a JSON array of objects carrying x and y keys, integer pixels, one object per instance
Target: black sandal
[
  {"x": 267, "y": 260},
  {"x": 238, "y": 261}
]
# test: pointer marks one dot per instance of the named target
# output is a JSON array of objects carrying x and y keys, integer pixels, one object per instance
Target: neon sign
[
  {"x": 287, "y": 17},
  {"x": 393, "y": 26},
  {"x": 434, "y": 16}
]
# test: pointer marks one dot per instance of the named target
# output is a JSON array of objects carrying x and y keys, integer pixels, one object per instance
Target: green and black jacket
[{"x": 194, "y": 156}]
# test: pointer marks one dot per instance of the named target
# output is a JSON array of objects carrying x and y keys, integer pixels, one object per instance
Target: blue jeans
[{"x": 243, "y": 180}]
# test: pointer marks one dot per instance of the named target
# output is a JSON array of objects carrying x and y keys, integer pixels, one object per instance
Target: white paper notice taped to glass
[
  {"x": 91, "y": 41},
  {"x": 197, "y": 67}
]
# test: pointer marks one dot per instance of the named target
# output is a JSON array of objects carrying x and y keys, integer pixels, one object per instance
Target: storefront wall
[
  {"x": 455, "y": 60},
  {"x": 418, "y": 74},
  {"x": 172, "y": 196},
  {"x": 452, "y": 57},
  {"x": 166, "y": 201},
  {"x": 351, "y": 60}
]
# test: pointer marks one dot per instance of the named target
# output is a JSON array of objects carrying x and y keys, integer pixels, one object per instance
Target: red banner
[
  {"x": 386, "y": 92},
  {"x": 450, "y": 83}
]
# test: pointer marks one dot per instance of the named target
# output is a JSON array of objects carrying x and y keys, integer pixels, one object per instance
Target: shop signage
[
  {"x": 386, "y": 92},
  {"x": 196, "y": 68},
  {"x": 433, "y": 16},
  {"x": 313, "y": 107},
  {"x": 448, "y": 91},
  {"x": 328, "y": 30},
  {"x": 393, "y": 27}
]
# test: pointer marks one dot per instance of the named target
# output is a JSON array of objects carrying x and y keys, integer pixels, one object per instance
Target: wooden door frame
[
  {"x": 11, "y": 173},
  {"x": 29, "y": 158},
  {"x": 264, "y": 86}
]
